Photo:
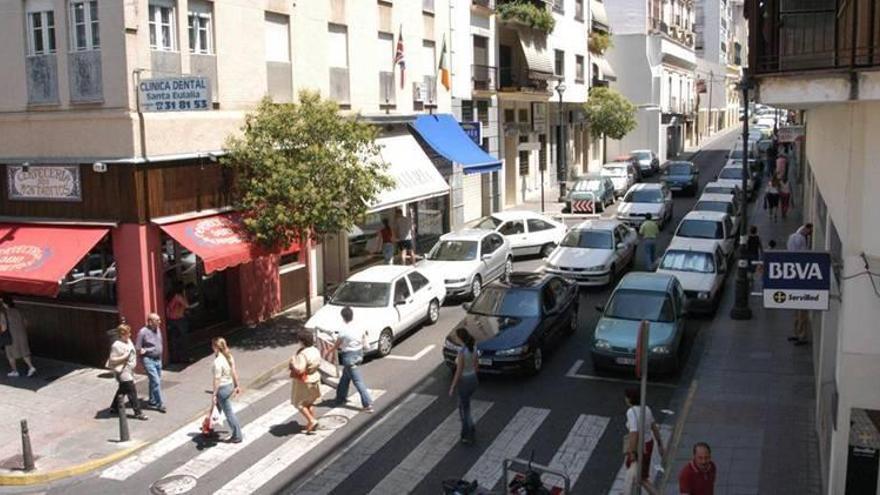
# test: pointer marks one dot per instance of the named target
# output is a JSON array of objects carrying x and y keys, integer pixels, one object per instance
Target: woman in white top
[
  {"x": 465, "y": 377},
  {"x": 633, "y": 416},
  {"x": 226, "y": 386},
  {"x": 306, "y": 378}
]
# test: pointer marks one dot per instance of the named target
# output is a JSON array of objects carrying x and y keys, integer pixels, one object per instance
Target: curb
[{"x": 41, "y": 478}]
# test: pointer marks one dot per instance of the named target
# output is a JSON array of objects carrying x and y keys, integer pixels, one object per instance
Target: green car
[{"x": 681, "y": 176}]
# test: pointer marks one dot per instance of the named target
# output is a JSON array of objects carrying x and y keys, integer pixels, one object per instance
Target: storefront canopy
[
  {"x": 34, "y": 259},
  {"x": 219, "y": 240},
  {"x": 415, "y": 177},
  {"x": 446, "y": 137}
]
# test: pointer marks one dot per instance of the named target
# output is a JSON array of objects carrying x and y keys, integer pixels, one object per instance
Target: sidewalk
[
  {"x": 752, "y": 399},
  {"x": 65, "y": 405}
]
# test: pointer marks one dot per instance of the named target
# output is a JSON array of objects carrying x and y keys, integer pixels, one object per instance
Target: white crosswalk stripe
[
  {"x": 575, "y": 452},
  {"x": 413, "y": 469}
]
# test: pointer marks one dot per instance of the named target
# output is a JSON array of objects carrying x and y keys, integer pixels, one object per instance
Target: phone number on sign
[{"x": 181, "y": 105}]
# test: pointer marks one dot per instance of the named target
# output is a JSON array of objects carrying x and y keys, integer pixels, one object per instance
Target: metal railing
[
  {"x": 517, "y": 79},
  {"x": 484, "y": 77}
]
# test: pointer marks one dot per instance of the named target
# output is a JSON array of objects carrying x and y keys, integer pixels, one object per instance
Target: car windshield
[
  {"x": 644, "y": 196},
  {"x": 679, "y": 169},
  {"x": 637, "y": 305},
  {"x": 595, "y": 239},
  {"x": 642, "y": 155},
  {"x": 488, "y": 223},
  {"x": 700, "y": 229},
  {"x": 732, "y": 173},
  {"x": 614, "y": 171},
  {"x": 587, "y": 185},
  {"x": 722, "y": 206},
  {"x": 362, "y": 294},
  {"x": 502, "y": 301},
  {"x": 454, "y": 251},
  {"x": 688, "y": 261}
]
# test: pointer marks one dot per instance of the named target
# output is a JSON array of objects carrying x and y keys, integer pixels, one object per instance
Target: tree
[
  {"x": 609, "y": 113},
  {"x": 303, "y": 171}
]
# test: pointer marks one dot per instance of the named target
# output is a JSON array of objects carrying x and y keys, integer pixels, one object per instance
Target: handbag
[{"x": 304, "y": 374}]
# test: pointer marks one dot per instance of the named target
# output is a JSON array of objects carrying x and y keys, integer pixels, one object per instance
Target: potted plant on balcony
[
  {"x": 609, "y": 113},
  {"x": 526, "y": 12},
  {"x": 599, "y": 42}
]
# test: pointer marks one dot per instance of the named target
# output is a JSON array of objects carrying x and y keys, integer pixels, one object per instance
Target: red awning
[
  {"x": 219, "y": 240},
  {"x": 34, "y": 259}
]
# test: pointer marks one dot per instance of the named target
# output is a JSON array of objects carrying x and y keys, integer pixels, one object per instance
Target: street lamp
[
  {"x": 561, "y": 172},
  {"x": 741, "y": 310}
]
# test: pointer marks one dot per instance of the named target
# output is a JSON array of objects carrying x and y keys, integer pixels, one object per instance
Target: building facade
[
  {"x": 721, "y": 33},
  {"x": 831, "y": 77}
]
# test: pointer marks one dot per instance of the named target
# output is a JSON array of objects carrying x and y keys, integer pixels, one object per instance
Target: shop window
[
  {"x": 205, "y": 292},
  {"x": 93, "y": 279}
]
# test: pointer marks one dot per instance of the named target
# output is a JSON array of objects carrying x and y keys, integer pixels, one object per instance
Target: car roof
[
  {"x": 380, "y": 273},
  {"x": 686, "y": 162},
  {"x": 640, "y": 151},
  {"x": 621, "y": 163},
  {"x": 466, "y": 235},
  {"x": 727, "y": 198},
  {"x": 716, "y": 183},
  {"x": 514, "y": 214},
  {"x": 593, "y": 176},
  {"x": 646, "y": 281},
  {"x": 692, "y": 244},
  {"x": 597, "y": 224},
  {"x": 714, "y": 216},
  {"x": 523, "y": 280},
  {"x": 646, "y": 185}
]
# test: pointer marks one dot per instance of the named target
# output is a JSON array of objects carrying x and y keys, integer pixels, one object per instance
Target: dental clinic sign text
[
  {"x": 797, "y": 280},
  {"x": 175, "y": 94}
]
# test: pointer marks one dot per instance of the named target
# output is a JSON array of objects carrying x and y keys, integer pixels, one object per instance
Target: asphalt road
[{"x": 406, "y": 450}]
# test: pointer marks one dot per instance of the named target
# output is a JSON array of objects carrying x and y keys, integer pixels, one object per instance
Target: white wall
[{"x": 627, "y": 16}]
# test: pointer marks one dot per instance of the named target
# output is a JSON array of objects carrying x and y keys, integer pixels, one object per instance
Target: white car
[
  {"x": 716, "y": 187},
  {"x": 387, "y": 301},
  {"x": 710, "y": 225},
  {"x": 621, "y": 175},
  {"x": 732, "y": 175},
  {"x": 725, "y": 203},
  {"x": 468, "y": 259},
  {"x": 700, "y": 266},
  {"x": 528, "y": 232},
  {"x": 644, "y": 198},
  {"x": 594, "y": 252}
]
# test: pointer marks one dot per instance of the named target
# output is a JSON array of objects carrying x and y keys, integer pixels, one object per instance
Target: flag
[
  {"x": 398, "y": 57},
  {"x": 444, "y": 67}
]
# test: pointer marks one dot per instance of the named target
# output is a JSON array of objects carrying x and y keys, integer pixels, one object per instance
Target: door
[
  {"x": 515, "y": 232},
  {"x": 492, "y": 256},
  {"x": 540, "y": 233},
  {"x": 553, "y": 299},
  {"x": 404, "y": 303},
  {"x": 420, "y": 286}
]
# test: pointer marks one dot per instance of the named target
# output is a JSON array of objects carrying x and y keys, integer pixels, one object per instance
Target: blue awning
[{"x": 447, "y": 138}]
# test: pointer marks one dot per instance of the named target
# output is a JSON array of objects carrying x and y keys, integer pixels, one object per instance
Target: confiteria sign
[{"x": 44, "y": 183}]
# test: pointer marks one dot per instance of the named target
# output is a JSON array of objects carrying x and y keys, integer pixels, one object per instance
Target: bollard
[
  {"x": 123, "y": 419},
  {"x": 27, "y": 453}
]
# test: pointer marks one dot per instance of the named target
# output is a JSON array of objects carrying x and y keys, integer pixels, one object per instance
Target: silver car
[
  {"x": 594, "y": 252},
  {"x": 645, "y": 198},
  {"x": 468, "y": 259}
]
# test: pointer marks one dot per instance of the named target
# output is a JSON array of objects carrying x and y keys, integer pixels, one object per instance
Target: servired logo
[
  {"x": 21, "y": 258},
  {"x": 218, "y": 231}
]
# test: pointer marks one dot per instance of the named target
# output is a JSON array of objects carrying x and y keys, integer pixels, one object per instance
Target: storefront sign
[
  {"x": 790, "y": 134},
  {"x": 175, "y": 94},
  {"x": 539, "y": 117},
  {"x": 44, "y": 182},
  {"x": 474, "y": 130},
  {"x": 216, "y": 231},
  {"x": 22, "y": 258},
  {"x": 797, "y": 280}
]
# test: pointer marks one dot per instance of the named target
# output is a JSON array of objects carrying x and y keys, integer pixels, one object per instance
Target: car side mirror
[{"x": 466, "y": 306}]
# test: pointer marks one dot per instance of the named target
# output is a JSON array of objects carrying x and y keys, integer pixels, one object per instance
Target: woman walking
[
  {"x": 771, "y": 198},
  {"x": 122, "y": 360},
  {"x": 226, "y": 386},
  {"x": 306, "y": 379},
  {"x": 784, "y": 197},
  {"x": 387, "y": 237},
  {"x": 13, "y": 322},
  {"x": 465, "y": 378}
]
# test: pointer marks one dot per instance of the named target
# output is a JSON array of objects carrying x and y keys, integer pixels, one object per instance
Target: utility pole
[
  {"x": 741, "y": 310},
  {"x": 561, "y": 170},
  {"x": 711, "y": 86}
]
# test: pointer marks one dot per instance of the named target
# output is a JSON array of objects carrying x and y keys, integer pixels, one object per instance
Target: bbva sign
[{"x": 797, "y": 270}]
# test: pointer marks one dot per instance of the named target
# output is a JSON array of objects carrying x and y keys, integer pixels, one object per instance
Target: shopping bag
[{"x": 217, "y": 417}]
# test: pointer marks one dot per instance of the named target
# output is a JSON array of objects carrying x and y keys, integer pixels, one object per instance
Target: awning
[
  {"x": 447, "y": 138},
  {"x": 219, "y": 240},
  {"x": 34, "y": 259},
  {"x": 535, "y": 52},
  {"x": 606, "y": 72},
  {"x": 600, "y": 16},
  {"x": 415, "y": 177}
]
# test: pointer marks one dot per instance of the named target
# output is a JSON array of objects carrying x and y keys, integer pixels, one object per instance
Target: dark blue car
[
  {"x": 681, "y": 176},
  {"x": 515, "y": 322}
]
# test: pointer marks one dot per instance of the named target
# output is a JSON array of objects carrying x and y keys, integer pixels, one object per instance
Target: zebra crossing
[{"x": 503, "y": 432}]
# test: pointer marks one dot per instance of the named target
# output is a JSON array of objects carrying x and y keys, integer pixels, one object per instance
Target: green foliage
[
  {"x": 599, "y": 42},
  {"x": 609, "y": 113},
  {"x": 301, "y": 170},
  {"x": 527, "y": 13}
]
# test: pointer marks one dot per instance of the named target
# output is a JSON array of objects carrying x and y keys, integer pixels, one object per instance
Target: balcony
[
  {"x": 814, "y": 35},
  {"x": 484, "y": 77},
  {"x": 488, "y": 5},
  {"x": 518, "y": 79}
]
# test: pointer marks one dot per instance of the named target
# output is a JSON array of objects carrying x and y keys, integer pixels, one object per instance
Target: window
[
  {"x": 277, "y": 38},
  {"x": 93, "y": 279},
  {"x": 524, "y": 115},
  {"x": 467, "y": 111},
  {"x": 579, "y": 68},
  {"x": 401, "y": 291},
  {"x": 84, "y": 29},
  {"x": 559, "y": 65},
  {"x": 537, "y": 225},
  {"x": 417, "y": 280},
  {"x": 41, "y": 32},
  {"x": 199, "y": 24},
  {"x": 512, "y": 227},
  {"x": 509, "y": 115},
  {"x": 338, "y": 46},
  {"x": 429, "y": 54},
  {"x": 559, "y": 6},
  {"x": 161, "y": 23},
  {"x": 483, "y": 111},
  {"x": 579, "y": 10}
]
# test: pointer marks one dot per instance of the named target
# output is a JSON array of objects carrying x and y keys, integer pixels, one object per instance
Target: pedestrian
[
  {"x": 403, "y": 226},
  {"x": 306, "y": 379},
  {"x": 799, "y": 241},
  {"x": 149, "y": 346},
  {"x": 772, "y": 155},
  {"x": 651, "y": 435},
  {"x": 754, "y": 248},
  {"x": 698, "y": 476},
  {"x": 466, "y": 364},
  {"x": 13, "y": 324},
  {"x": 387, "y": 236},
  {"x": 122, "y": 360},
  {"x": 178, "y": 325},
  {"x": 649, "y": 231},
  {"x": 781, "y": 165},
  {"x": 350, "y": 344},
  {"x": 785, "y": 202},
  {"x": 771, "y": 198},
  {"x": 226, "y": 386}
]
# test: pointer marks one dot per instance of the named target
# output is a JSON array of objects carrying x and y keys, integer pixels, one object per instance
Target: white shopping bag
[{"x": 217, "y": 417}]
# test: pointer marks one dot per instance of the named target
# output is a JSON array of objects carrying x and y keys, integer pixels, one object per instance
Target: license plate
[
  {"x": 485, "y": 362},
  {"x": 626, "y": 360}
]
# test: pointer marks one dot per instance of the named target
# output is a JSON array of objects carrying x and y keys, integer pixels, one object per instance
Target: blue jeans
[
  {"x": 650, "y": 251},
  {"x": 224, "y": 402},
  {"x": 351, "y": 373},
  {"x": 467, "y": 385},
  {"x": 153, "y": 368}
]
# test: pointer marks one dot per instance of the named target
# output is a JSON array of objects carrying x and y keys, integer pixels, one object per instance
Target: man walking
[
  {"x": 649, "y": 230},
  {"x": 149, "y": 346},
  {"x": 403, "y": 229},
  {"x": 799, "y": 241},
  {"x": 698, "y": 476},
  {"x": 350, "y": 343}
]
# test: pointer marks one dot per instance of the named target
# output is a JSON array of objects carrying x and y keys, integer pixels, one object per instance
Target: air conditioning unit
[{"x": 420, "y": 92}]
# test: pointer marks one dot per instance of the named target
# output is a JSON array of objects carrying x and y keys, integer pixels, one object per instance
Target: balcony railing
[
  {"x": 517, "y": 79},
  {"x": 800, "y": 35},
  {"x": 486, "y": 4},
  {"x": 485, "y": 77}
]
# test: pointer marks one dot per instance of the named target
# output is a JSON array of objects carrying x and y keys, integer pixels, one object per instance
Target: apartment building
[
  {"x": 820, "y": 57},
  {"x": 653, "y": 55},
  {"x": 104, "y": 208},
  {"x": 601, "y": 74},
  {"x": 720, "y": 33}
]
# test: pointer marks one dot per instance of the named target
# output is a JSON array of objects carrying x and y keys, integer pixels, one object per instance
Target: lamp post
[
  {"x": 741, "y": 310},
  {"x": 561, "y": 171}
]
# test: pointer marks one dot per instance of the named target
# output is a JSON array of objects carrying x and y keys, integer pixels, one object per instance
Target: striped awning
[
  {"x": 536, "y": 54},
  {"x": 606, "y": 72},
  {"x": 600, "y": 16}
]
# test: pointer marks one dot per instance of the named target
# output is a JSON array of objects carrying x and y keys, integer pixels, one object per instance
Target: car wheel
[
  {"x": 476, "y": 287},
  {"x": 386, "y": 341},
  {"x": 508, "y": 268},
  {"x": 433, "y": 312},
  {"x": 537, "y": 361},
  {"x": 546, "y": 249}
]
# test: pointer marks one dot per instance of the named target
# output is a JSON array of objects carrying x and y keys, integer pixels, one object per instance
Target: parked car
[
  {"x": 648, "y": 161},
  {"x": 589, "y": 194},
  {"x": 594, "y": 252},
  {"x": 681, "y": 176},
  {"x": 716, "y": 187},
  {"x": 732, "y": 174},
  {"x": 630, "y": 158},
  {"x": 516, "y": 321},
  {"x": 622, "y": 174},
  {"x": 528, "y": 232},
  {"x": 711, "y": 225},
  {"x": 700, "y": 266},
  {"x": 725, "y": 203},
  {"x": 655, "y": 297},
  {"x": 468, "y": 259},
  {"x": 388, "y": 300},
  {"x": 644, "y": 198}
]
